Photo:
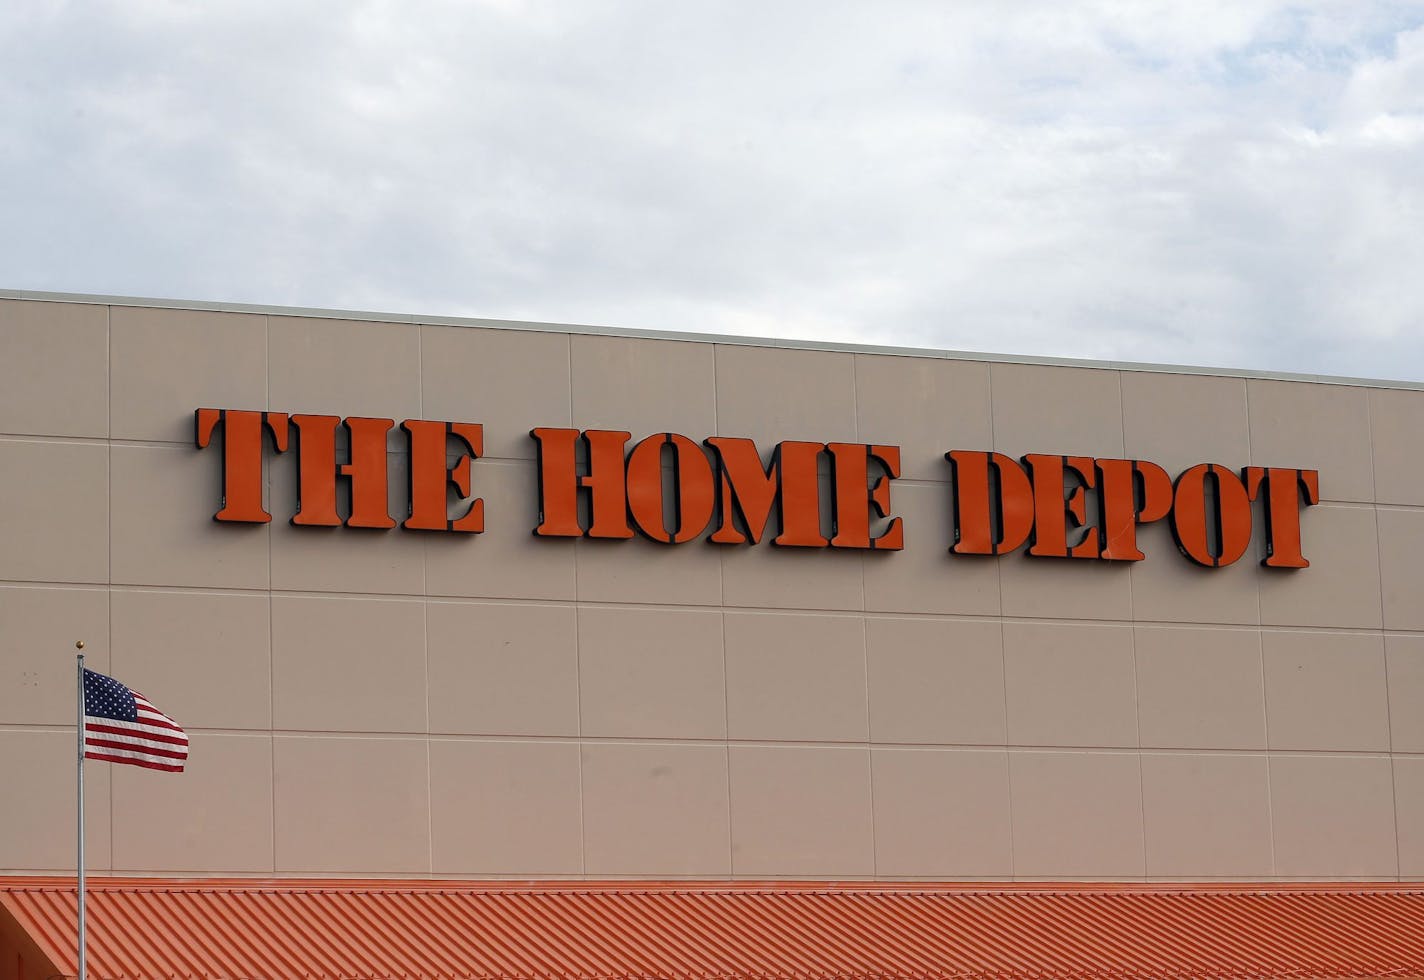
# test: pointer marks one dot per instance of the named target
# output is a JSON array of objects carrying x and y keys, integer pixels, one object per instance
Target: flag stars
[{"x": 105, "y": 697}]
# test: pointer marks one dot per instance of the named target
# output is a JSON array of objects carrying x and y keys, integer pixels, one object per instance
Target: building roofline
[{"x": 693, "y": 337}]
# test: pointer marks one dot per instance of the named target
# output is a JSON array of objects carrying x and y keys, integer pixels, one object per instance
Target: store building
[{"x": 587, "y": 605}]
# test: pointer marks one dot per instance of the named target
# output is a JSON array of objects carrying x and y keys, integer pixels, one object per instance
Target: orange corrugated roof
[{"x": 283, "y": 929}]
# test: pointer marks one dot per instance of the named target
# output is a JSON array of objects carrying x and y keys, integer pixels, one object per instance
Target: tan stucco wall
[{"x": 391, "y": 703}]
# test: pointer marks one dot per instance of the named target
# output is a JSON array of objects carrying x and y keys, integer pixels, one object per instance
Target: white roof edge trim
[{"x": 690, "y": 337}]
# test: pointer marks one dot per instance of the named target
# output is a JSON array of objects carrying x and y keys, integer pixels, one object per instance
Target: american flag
[{"x": 121, "y": 726}]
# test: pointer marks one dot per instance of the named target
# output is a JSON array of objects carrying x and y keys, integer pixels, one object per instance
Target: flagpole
[{"x": 83, "y": 971}]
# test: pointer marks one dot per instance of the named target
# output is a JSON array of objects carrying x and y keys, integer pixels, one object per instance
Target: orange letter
[
  {"x": 1051, "y": 509},
  {"x": 799, "y": 494},
  {"x": 692, "y": 478},
  {"x": 242, "y": 458},
  {"x": 978, "y": 509},
  {"x": 370, "y": 493},
  {"x": 748, "y": 491},
  {"x": 850, "y": 514},
  {"x": 893, "y": 538},
  {"x": 1131, "y": 493},
  {"x": 316, "y": 470},
  {"x": 607, "y": 495},
  {"x": 431, "y": 476},
  {"x": 1230, "y": 512},
  {"x": 1283, "y": 496},
  {"x": 559, "y": 484}
]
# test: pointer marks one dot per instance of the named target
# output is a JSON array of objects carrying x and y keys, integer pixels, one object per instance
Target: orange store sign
[{"x": 673, "y": 490}]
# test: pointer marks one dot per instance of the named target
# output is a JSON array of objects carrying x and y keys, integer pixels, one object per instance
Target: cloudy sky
[{"x": 1217, "y": 182}]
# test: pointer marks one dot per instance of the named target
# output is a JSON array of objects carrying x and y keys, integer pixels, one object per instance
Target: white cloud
[{"x": 1233, "y": 183}]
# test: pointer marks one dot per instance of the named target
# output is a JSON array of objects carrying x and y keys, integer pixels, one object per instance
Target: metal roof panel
[{"x": 285, "y": 928}]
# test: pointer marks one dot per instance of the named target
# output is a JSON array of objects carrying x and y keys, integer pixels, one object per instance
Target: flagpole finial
[{"x": 79, "y": 644}]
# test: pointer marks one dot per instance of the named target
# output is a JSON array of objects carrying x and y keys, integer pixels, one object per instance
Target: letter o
[
  {"x": 1232, "y": 511},
  {"x": 692, "y": 485}
]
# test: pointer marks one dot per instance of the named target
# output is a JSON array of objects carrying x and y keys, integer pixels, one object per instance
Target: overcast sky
[{"x": 1217, "y": 182}]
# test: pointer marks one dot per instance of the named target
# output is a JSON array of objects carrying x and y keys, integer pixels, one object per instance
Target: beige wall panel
[
  {"x": 1396, "y": 420},
  {"x": 1057, "y": 410},
  {"x": 1404, "y": 665},
  {"x": 509, "y": 381},
  {"x": 1326, "y": 691},
  {"x": 54, "y": 369},
  {"x": 925, "y": 405},
  {"x": 925, "y": 577},
  {"x": 351, "y": 804},
  {"x": 53, "y": 518},
  {"x": 769, "y": 577},
  {"x": 1232, "y": 668},
  {"x": 1076, "y": 814},
  {"x": 349, "y": 559},
  {"x": 346, "y": 368},
  {"x": 1180, "y": 420},
  {"x": 1064, "y": 588},
  {"x": 205, "y": 659},
  {"x": 936, "y": 681},
  {"x": 796, "y": 678},
  {"x": 162, "y": 507},
  {"x": 1167, "y": 587},
  {"x": 506, "y": 561},
  {"x": 644, "y": 386},
  {"x": 1401, "y": 541},
  {"x": 348, "y": 665},
  {"x": 772, "y": 394},
  {"x": 1409, "y": 815},
  {"x": 941, "y": 814},
  {"x": 1070, "y": 685},
  {"x": 1314, "y": 426},
  {"x": 643, "y": 571},
  {"x": 1333, "y": 816},
  {"x": 37, "y": 816},
  {"x": 648, "y": 673},
  {"x": 1207, "y": 815},
  {"x": 215, "y": 816},
  {"x": 1341, "y": 587},
  {"x": 656, "y": 810},
  {"x": 165, "y": 364},
  {"x": 507, "y": 808},
  {"x": 801, "y": 811},
  {"x": 502, "y": 669},
  {"x": 1200, "y": 689},
  {"x": 38, "y": 629}
]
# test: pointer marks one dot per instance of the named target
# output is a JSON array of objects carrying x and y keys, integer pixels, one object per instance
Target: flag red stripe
[
  {"x": 138, "y": 738},
  {"x": 157, "y": 721},
  {"x": 151, "y": 717},
  {"x": 136, "y": 752},
  {"x": 138, "y": 731},
  {"x": 135, "y": 743},
  {"x": 141, "y": 723},
  {"x": 132, "y": 747},
  {"x": 141, "y": 719},
  {"x": 157, "y": 718},
  {"x": 107, "y": 727},
  {"x": 164, "y": 767}
]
